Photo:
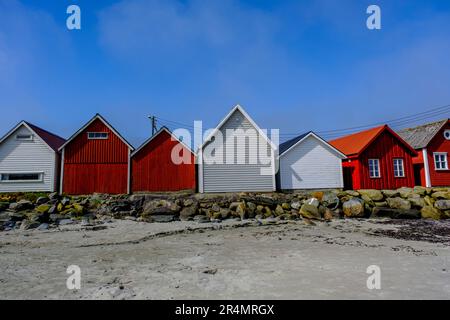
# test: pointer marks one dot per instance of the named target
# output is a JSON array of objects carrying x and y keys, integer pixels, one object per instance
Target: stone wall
[{"x": 42, "y": 211}]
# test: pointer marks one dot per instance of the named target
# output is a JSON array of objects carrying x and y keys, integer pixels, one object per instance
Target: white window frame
[
  {"x": 377, "y": 161},
  {"x": 398, "y": 168},
  {"x": 94, "y": 135},
  {"x": 436, "y": 162},
  {"x": 40, "y": 179},
  {"x": 19, "y": 137}
]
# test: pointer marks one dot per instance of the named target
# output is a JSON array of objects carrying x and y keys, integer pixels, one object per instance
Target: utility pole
[{"x": 153, "y": 119}]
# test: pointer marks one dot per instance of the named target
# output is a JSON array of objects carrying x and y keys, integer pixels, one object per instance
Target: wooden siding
[
  {"x": 96, "y": 165},
  {"x": 238, "y": 177},
  {"x": 311, "y": 165},
  {"x": 439, "y": 178},
  {"x": 153, "y": 169},
  {"x": 27, "y": 156},
  {"x": 386, "y": 148}
]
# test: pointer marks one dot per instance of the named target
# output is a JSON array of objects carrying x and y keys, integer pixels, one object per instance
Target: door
[
  {"x": 348, "y": 178},
  {"x": 419, "y": 175}
]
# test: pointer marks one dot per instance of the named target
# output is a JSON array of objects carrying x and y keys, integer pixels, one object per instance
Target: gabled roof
[
  {"x": 285, "y": 147},
  {"x": 52, "y": 140},
  {"x": 162, "y": 129},
  {"x": 354, "y": 144},
  {"x": 106, "y": 123},
  {"x": 419, "y": 137},
  {"x": 245, "y": 114}
]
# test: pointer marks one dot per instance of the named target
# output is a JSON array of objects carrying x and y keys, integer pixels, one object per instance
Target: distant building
[{"x": 432, "y": 142}]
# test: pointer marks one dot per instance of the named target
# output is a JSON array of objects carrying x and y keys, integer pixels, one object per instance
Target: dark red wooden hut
[
  {"x": 154, "y": 169},
  {"x": 377, "y": 158},
  {"x": 96, "y": 159}
]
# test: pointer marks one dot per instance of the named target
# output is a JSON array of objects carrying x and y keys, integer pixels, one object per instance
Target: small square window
[
  {"x": 97, "y": 135},
  {"x": 440, "y": 161}
]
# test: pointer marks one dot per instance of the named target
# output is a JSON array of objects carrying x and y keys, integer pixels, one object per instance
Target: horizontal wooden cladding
[
  {"x": 91, "y": 178},
  {"x": 95, "y": 151},
  {"x": 154, "y": 170},
  {"x": 386, "y": 148}
]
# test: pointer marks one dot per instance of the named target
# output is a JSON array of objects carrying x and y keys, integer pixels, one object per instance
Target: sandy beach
[{"x": 230, "y": 260}]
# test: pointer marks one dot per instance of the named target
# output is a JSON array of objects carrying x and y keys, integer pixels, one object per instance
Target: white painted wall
[
  {"x": 27, "y": 156},
  {"x": 311, "y": 165}
]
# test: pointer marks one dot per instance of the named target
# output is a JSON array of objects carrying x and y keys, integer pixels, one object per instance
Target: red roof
[
  {"x": 49, "y": 138},
  {"x": 354, "y": 144}
]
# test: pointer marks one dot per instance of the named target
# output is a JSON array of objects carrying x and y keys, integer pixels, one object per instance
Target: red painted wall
[
  {"x": 439, "y": 144},
  {"x": 95, "y": 165},
  {"x": 154, "y": 170},
  {"x": 386, "y": 148}
]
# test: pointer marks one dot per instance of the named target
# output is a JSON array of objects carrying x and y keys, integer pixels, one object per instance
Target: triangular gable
[
  {"x": 420, "y": 137},
  {"x": 163, "y": 129},
  {"x": 245, "y": 114},
  {"x": 291, "y": 144},
  {"x": 52, "y": 141},
  {"x": 97, "y": 117}
]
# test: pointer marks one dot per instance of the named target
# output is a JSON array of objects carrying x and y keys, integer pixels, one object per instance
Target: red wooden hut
[
  {"x": 378, "y": 158},
  {"x": 95, "y": 159},
  {"x": 432, "y": 142},
  {"x": 154, "y": 169}
]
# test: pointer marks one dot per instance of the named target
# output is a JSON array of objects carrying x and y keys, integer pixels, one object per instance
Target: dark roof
[
  {"x": 52, "y": 140},
  {"x": 286, "y": 145},
  {"x": 419, "y": 137}
]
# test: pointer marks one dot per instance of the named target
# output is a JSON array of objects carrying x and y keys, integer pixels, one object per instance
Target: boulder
[
  {"x": 442, "y": 204},
  {"x": 43, "y": 208},
  {"x": 43, "y": 226},
  {"x": 296, "y": 204},
  {"x": 286, "y": 206},
  {"x": 429, "y": 201},
  {"x": 267, "y": 212},
  {"x": 421, "y": 191},
  {"x": 328, "y": 215},
  {"x": 162, "y": 218},
  {"x": 279, "y": 210},
  {"x": 353, "y": 208},
  {"x": 65, "y": 201},
  {"x": 330, "y": 200},
  {"x": 317, "y": 195},
  {"x": 313, "y": 202},
  {"x": 390, "y": 193},
  {"x": 21, "y": 205},
  {"x": 64, "y": 222},
  {"x": 431, "y": 213},
  {"x": 381, "y": 204},
  {"x": 310, "y": 211},
  {"x": 251, "y": 209},
  {"x": 241, "y": 210},
  {"x": 374, "y": 195},
  {"x": 26, "y": 225},
  {"x": 16, "y": 216},
  {"x": 42, "y": 200},
  {"x": 4, "y": 206},
  {"x": 441, "y": 195},
  {"x": 53, "y": 196},
  {"x": 398, "y": 203},
  {"x": 352, "y": 193},
  {"x": 396, "y": 213},
  {"x": 417, "y": 202},
  {"x": 224, "y": 213},
  {"x": 215, "y": 207},
  {"x": 188, "y": 212},
  {"x": 405, "y": 192}
]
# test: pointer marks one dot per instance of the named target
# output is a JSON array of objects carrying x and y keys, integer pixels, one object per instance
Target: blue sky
[{"x": 293, "y": 65}]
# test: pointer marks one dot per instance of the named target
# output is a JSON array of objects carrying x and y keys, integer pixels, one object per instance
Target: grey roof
[
  {"x": 419, "y": 137},
  {"x": 286, "y": 145}
]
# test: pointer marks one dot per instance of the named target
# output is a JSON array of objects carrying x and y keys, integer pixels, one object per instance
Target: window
[
  {"x": 374, "y": 168},
  {"x": 97, "y": 135},
  {"x": 24, "y": 137},
  {"x": 440, "y": 161},
  {"x": 20, "y": 177},
  {"x": 399, "y": 170},
  {"x": 447, "y": 134}
]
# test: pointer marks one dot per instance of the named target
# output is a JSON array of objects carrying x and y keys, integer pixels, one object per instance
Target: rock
[
  {"x": 16, "y": 216},
  {"x": 56, "y": 217},
  {"x": 64, "y": 222},
  {"x": 431, "y": 213},
  {"x": 353, "y": 208},
  {"x": 241, "y": 209},
  {"x": 441, "y": 195},
  {"x": 398, "y": 203},
  {"x": 26, "y": 225},
  {"x": 309, "y": 211},
  {"x": 251, "y": 209},
  {"x": 296, "y": 204},
  {"x": 368, "y": 202},
  {"x": 53, "y": 196},
  {"x": 79, "y": 209},
  {"x": 286, "y": 206},
  {"x": 279, "y": 211},
  {"x": 429, "y": 201},
  {"x": 380, "y": 204},
  {"x": 4, "y": 206},
  {"x": 259, "y": 209},
  {"x": 215, "y": 207},
  {"x": 313, "y": 201},
  {"x": 390, "y": 193},
  {"x": 43, "y": 208},
  {"x": 308, "y": 222},
  {"x": 4, "y": 216},
  {"x": 352, "y": 193},
  {"x": 65, "y": 201},
  {"x": 43, "y": 226},
  {"x": 442, "y": 204},
  {"x": 328, "y": 215},
  {"x": 188, "y": 212},
  {"x": 41, "y": 200},
  {"x": 225, "y": 213},
  {"x": 21, "y": 205},
  {"x": 317, "y": 195},
  {"x": 163, "y": 218},
  {"x": 59, "y": 207},
  {"x": 420, "y": 190},
  {"x": 330, "y": 200},
  {"x": 396, "y": 213},
  {"x": 52, "y": 210},
  {"x": 374, "y": 195},
  {"x": 201, "y": 219},
  {"x": 160, "y": 207},
  {"x": 267, "y": 212},
  {"x": 417, "y": 202}
]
